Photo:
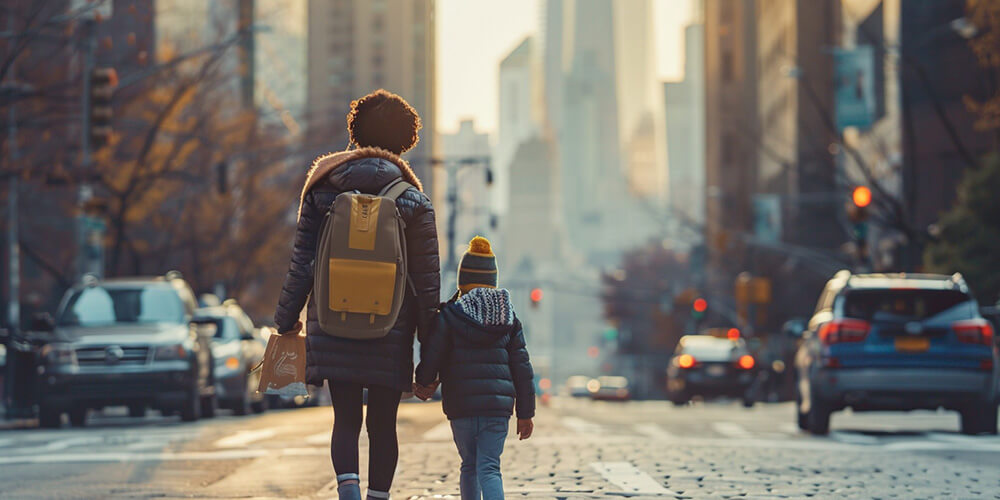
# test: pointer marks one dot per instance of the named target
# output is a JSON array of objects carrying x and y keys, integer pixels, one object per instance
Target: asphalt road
[{"x": 580, "y": 449}]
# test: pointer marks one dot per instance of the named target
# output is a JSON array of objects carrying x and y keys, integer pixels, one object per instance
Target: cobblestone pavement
[{"x": 580, "y": 449}]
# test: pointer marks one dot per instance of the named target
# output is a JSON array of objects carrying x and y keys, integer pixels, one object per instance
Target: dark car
[
  {"x": 897, "y": 342},
  {"x": 126, "y": 342},
  {"x": 609, "y": 389},
  {"x": 237, "y": 348},
  {"x": 710, "y": 366}
]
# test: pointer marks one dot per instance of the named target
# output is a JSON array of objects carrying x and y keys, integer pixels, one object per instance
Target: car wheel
[
  {"x": 136, "y": 411},
  {"x": 49, "y": 418},
  {"x": 191, "y": 410},
  {"x": 260, "y": 406},
  {"x": 803, "y": 418},
  {"x": 818, "y": 418},
  {"x": 208, "y": 406},
  {"x": 78, "y": 417},
  {"x": 748, "y": 402},
  {"x": 979, "y": 420},
  {"x": 680, "y": 399}
]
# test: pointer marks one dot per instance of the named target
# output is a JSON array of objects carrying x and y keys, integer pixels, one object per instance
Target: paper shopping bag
[{"x": 283, "y": 370}]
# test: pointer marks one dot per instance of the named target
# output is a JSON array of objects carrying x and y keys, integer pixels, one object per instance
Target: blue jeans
[{"x": 480, "y": 443}]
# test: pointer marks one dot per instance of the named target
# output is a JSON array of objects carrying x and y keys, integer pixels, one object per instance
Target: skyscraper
[
  {"x": 685, "y": 120},
  {"x": 357, "y": 46}
]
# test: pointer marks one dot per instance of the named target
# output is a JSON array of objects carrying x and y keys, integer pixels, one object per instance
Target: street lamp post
[{"x": 452, "y": 167}]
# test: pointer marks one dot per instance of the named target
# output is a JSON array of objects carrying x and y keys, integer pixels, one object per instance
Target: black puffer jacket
[
  {"x": 387, "y": 361},
  {"x": 477, "y": 346}
]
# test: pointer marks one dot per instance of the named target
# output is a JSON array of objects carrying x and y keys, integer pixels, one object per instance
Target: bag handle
[{"x": 395, "y": 189}]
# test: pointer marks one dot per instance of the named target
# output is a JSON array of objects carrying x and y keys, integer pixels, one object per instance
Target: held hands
[
  {"x": 524, "y": 428},
  {"x": 295, "y": 329},
  {"x": 424, "y": 392}
]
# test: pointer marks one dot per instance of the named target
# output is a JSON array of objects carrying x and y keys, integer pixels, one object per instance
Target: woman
[{"x": 382, "y": 126}]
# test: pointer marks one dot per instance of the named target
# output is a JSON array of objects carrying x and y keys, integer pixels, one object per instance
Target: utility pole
[
  {"x": 85, "y": 191},
  {"x": 13, "y": 249}
]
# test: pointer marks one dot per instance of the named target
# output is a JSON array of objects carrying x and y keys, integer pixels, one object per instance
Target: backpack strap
[{"x": 395, "y": 189}]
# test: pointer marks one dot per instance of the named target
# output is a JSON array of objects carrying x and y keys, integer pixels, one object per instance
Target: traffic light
[
  {"x": 857, "y": 212},
  {"x": 698, "y": 308},
  {"x": 102, "y": 87},
  {"x": 536, "y": 297}
]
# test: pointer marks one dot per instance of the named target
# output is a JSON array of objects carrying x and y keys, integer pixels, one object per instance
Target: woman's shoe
[{"x": 348, "y": 487}]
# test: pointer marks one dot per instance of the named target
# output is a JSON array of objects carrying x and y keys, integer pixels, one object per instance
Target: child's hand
[{"x": 524, "y": 428}]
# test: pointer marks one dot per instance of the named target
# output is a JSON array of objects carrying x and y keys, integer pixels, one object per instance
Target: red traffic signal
[
  {"x": 861, "y": 196},
  {"x": 733, "y": 333},
  {"x": 700, "y": 305},
  {"x": 536, "y": 295}
]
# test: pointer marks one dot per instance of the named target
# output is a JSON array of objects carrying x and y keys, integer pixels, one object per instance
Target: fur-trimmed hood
[{"x": 327, "y": 164}]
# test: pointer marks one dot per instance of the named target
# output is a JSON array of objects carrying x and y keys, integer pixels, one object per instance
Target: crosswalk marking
[
  {"x": 630, "y": 479},
  {"x": 652, "y": 430},
  {"x": 730, "y": 429},
  {"x": 580, "y": 425},
  {"x": 243, "y": 438},
  {"x": 440, "y": 432},
  {"x": 319, "y": 438}
]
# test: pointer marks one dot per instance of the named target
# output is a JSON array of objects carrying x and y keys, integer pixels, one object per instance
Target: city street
[{"x": 580, "y": 449}]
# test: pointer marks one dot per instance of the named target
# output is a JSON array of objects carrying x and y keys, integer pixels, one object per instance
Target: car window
[
  {"x": 907, "y": 305},
  {"x": 228, "y": 329},
  {"x": 97, "y": 306},
  {"x": 709, "y": 348}
]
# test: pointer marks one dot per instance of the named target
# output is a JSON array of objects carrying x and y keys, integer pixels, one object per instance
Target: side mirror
[
  {"x": 794, "y": 328},
  {"x": 43, "y": 322}
]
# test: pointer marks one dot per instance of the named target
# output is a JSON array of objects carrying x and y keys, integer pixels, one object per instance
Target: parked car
[
  {"x": 576, "y": 386},
  {"x": 127, "y": 342},
  {"x": 710, "y": 366},
  {"x": 897, "y": 342},
  {"x": 609, "y": 389},
  {"x": 237, "y": 348}
]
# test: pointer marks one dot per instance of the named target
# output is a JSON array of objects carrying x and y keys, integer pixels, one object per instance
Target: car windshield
[
  {"x": 705, "y": 348},
  {"x": 907, "y": 305},
  {"x": 98, "y": 306}
]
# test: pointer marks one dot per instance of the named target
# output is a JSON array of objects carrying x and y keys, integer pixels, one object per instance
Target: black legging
[{"x": 383, "y": 447}]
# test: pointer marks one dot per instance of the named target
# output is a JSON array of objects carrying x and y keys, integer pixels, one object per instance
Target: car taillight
[
  {"x": 686, "y": 361},
  {"x": 973, "y": 331},
  {"x": 745, "y": 362},
  {"x": 844, "y": 330}
]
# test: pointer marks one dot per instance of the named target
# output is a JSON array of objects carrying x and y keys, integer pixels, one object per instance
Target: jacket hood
[
  {"x": 365, "y": 169},
  {"x": 482, "y": 315}
]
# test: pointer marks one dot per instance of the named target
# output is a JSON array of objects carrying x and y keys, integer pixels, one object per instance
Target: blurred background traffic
[{"x": 766, "y": 201}]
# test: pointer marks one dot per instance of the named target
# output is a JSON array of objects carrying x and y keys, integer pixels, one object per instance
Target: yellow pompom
[{"x": 480, "y": 246}]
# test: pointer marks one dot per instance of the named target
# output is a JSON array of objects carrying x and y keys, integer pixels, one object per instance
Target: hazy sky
[{"x": 474, "y": 35}]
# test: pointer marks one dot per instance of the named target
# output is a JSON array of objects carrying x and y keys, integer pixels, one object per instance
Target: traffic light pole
[
  {"x": 85, "y": 191},
  {"x": 13, "y": 242}
]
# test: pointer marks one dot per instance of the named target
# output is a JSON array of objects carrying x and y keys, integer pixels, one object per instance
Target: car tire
[
  {"x": 979, "y": 420},
  {"x": 748, "y": 402},
  {"x": 680, "y": 399},
  {"x": 802, "y": 417},
  {"x": 49, "y": 418},
  {"x": 78, "y": 417},
  {"x": 260, "y": 406},
  {"x": 191, "y": 409},
  {"x": 136, "y": 411},
  {"x": 818, "y": 418}
]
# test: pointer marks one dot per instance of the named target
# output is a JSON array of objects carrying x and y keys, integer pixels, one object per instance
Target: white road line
[
  {"x": 440, "y": 432},
  {"x": 62, "y": 444},
  {"x": 730, "y": 429},
  {"x": 854, "y": 438},
  {"x": 319, "y": 438},
  {"x": 243, "y": 438},
  {"x": 236, "y": 454},
  {"x": 652, "y": 430},
  {"x": 629, "y": 479},
  {"x": 580, "y": 425},
  {"x": 5, "y": 442}
]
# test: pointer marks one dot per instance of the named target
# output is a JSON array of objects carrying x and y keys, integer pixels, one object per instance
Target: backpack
[{"x": 360, "y": 275}]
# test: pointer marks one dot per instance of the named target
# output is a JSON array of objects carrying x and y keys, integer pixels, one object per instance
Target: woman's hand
[
  {"x": 425, "y": 392},
  {"x": 295, "y": 329}
]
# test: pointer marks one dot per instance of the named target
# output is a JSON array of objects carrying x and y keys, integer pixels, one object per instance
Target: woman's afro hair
[{"x": 383, "y": 120}]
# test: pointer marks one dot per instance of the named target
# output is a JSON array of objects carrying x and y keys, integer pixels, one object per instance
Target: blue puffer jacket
[
  {"x": 477, "y": 346},
  {"x": 387, "y": 361}
]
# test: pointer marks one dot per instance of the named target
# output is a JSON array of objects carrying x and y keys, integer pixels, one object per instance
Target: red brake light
[
  {"x": 973, "y": 331},
  {"x": 746, "y": 362},
  {"x": 844, "y": 330},
  {"x": 685, "y": 361}
]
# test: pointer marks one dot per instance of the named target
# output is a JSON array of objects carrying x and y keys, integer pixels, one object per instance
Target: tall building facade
[
  {"x": 685, "y": 128},
  {"x": 730, "y": 129},
  {"x": 518, "y": 117},
  {"x": 358, "y": 46}
]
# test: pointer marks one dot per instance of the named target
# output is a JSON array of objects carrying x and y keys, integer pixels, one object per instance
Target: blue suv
[{"x": 879, "y": 342}]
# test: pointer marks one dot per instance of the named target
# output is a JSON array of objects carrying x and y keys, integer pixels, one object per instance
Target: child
[{"x": 478, "y": 348}]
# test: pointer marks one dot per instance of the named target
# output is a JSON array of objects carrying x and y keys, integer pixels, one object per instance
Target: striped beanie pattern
[{"x": 478, "y": 267}]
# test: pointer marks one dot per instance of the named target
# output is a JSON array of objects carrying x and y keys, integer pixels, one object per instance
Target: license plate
[
  {"x": 913, "y": 344},
  {"x": 716, "y": 371}
]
